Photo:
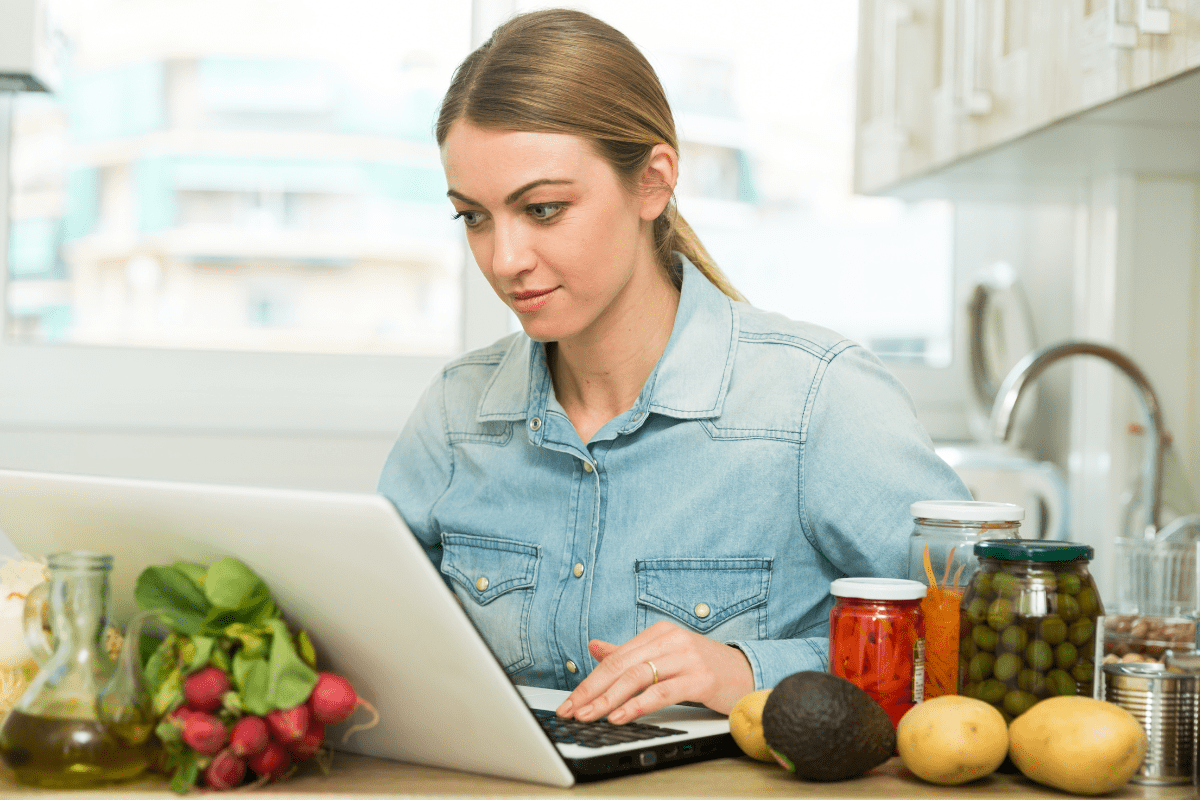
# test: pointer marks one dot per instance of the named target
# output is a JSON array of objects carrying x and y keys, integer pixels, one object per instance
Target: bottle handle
[{"x": 35, "y": 634}]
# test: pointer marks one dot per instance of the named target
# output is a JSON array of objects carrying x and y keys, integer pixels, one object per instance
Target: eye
[
  {"x": 544, "y": 211},
  {"x": 469, "y": 218}
]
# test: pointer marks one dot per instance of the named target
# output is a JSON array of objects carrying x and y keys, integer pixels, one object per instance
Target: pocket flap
[
  {"x": 487, "y": 567},
  {"x": 703, "y": 592}
]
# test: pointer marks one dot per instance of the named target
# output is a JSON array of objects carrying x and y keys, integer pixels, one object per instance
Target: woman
[{"x": 645, "y": 496}]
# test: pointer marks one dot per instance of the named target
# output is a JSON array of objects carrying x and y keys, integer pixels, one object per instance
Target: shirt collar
[{"x": 690, "y": 380}]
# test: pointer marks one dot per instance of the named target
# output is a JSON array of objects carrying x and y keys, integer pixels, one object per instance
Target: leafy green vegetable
[
  {"x": 222, "y": 615},
  {"x": 290, "y": 680},
  {"x": 173, "y": 590}
]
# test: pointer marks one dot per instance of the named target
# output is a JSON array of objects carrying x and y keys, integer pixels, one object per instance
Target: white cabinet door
[{"x": 898, "y": 48}]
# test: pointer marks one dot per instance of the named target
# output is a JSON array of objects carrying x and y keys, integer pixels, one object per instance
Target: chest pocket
[
  {"x": 494, "y": 578},
  {"x": 722, "y": 598}
]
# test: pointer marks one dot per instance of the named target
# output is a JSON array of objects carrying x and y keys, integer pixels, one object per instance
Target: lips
[{"x": 529, "y": 301}]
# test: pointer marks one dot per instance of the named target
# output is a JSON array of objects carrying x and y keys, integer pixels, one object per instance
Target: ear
[{"x": 658, "y": 180}]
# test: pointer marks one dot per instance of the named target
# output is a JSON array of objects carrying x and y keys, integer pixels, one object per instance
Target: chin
[{"x": 543, "y": 331}]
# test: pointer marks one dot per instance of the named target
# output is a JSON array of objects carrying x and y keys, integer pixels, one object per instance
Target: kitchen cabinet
[{"x": 945, "y": 81}]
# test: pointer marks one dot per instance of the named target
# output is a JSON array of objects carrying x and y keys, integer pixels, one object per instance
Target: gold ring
[{"x": 653, "y": 669}]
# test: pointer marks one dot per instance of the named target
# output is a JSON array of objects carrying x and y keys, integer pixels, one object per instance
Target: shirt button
[
  {"x": 578, "y": 571},
  {"x": 637, "y": 416},
  {"x": 482, "y": 583},
  {"x": 702, "y": 610},
  {"x": 535, "y": 423},
  {"x": 571, "y": 666},
  {"x": 587, "y": 466}
]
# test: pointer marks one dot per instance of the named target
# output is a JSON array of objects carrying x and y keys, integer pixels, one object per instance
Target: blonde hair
[{"x": 564, "y": 71}]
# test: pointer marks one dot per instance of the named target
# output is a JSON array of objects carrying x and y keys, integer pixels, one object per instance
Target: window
[
  {"x": 233, "y": 217},
  {"x": 265, "y": 180}
]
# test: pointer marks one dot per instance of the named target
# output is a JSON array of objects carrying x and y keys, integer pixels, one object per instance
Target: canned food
[{"x": 1028, "y": 621}]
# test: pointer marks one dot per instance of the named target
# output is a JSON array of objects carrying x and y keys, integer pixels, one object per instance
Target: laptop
[{"x": 346, "y": 568}]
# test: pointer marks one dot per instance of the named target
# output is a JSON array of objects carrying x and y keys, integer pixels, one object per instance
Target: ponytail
[{"x": 672, "y": 234}]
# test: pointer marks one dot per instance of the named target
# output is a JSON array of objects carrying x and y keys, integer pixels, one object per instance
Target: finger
[
  {"x": 643, "y": 677},
  {"x": 601, "y": 650}
]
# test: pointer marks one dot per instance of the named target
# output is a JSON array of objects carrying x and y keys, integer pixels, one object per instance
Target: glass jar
[
  {"x": 877, "y": 639},
  {"x": 941, "y": 555},
  {"x": 1028, "y": 620}
]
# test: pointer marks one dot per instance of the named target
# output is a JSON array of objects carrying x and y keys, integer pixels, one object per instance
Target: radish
[
  {"x": 272, "y": 761},
  {"x": 333, "y": 699},
  {"x": 204, "y": 733},
  {"x": 248, "y": 736},
  {"x": 310, "y": 743},
  {"x": 205, "y": 688},
  {"x": 289, "y": 724},
  {"x": 225, "y": 771}
]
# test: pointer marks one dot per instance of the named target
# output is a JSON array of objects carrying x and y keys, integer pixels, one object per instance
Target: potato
[
  {"x": 952, "y": 739},
  {"x": 745, "y": 723},
  {"x": 1077, "y": 744}
]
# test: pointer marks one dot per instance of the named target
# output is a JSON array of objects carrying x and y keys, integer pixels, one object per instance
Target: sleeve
[
  {"x": 864, "y": 459},
  {"x": 419, "y": 468}
]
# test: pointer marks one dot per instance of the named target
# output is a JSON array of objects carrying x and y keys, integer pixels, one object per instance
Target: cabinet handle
[
  {"x": 974, "y": 101},
  {"x": 1150, "y": 19},
  {"x": 896, "y": 14},
  {"x": 1153, "y": 19}
]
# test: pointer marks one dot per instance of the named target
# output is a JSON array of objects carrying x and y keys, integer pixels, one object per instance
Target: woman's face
[{"x": 561, "y": 240}]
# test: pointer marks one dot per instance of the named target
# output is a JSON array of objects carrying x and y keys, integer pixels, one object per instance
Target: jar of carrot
[
  {"x": 877, "y": 639},
  {"x": 941, "y": 555}
]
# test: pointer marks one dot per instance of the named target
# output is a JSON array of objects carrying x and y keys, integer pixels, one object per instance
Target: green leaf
[
  {"x": 195, "y": 572},
  {"x": 220, "y": 659},
  {"x": 171, "y": 589},
  {"x": 147, "y": 646},
  {"x": 231, "y": 584},
  {"x": 255, "y": 640},
  {"x": 291, "y": 681},
  {"x": 170, "y": 693},
  {"x": 307, "y": 651},
  {"x": 168, "y": 732},
  {"x": 184, "y": 778},
  {"x": 203, "y": 653},
  {"x": 251, "y": 675}
]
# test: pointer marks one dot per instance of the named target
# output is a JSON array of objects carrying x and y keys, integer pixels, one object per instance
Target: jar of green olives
[{"x": 1028, "y": 624}]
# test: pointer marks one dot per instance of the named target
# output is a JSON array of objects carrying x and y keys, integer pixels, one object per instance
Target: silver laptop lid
[{"x": 344, "y": 567}]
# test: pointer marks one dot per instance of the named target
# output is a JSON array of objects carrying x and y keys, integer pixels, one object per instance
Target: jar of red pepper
[{"x": 877, "y": 639}]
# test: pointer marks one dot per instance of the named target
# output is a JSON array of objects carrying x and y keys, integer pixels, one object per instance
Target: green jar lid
[{"x": 1033, "y": 550}]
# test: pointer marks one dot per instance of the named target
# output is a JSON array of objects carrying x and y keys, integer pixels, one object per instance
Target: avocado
[{"x": 824, "y": 728}]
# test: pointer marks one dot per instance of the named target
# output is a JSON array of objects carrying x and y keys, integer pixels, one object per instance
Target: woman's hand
[{"x": 689, "y": 667}]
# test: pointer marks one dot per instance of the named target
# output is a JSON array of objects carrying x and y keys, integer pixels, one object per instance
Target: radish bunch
[
  {"x": 237, "y": 687},
  {"x": 233, "y": 748}
]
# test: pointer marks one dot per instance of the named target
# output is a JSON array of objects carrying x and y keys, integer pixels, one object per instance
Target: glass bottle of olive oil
[{"x": 85, "y": 720}]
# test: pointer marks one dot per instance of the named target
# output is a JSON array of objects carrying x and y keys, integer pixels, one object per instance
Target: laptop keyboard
[{"x": 598, "y": 733}]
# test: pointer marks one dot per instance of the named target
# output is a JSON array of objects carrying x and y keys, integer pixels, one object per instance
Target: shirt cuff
[{"x": 774, "y": 659}]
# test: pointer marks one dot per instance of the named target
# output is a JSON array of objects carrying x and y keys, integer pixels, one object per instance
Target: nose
[{"x": 512, "y": 253}]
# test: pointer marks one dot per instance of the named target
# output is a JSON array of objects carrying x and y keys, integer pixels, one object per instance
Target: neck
[{"x": 599, "y": 375}]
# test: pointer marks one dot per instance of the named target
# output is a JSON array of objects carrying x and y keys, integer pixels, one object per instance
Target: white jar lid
[
  {"x": 878, "y": 588},
  {"x": 967, "y": 510}
]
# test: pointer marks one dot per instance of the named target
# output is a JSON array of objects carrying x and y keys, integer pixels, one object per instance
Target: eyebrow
[{"x": 512, "y": 198}]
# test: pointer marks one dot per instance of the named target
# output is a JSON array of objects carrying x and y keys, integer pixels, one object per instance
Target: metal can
[{"x": 877, "y": 639}]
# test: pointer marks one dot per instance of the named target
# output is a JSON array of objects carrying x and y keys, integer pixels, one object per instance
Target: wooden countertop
[{"x": 360, "y": 776}]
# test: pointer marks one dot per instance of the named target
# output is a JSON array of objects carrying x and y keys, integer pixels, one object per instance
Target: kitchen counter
[{"x": 359, "y": 776}]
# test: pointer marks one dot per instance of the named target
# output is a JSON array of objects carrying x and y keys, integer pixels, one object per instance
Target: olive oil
[{"x": 73, "y": 753}]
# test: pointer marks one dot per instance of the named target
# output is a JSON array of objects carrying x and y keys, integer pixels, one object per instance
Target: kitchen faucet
[{"x": 1032, "y": 365}]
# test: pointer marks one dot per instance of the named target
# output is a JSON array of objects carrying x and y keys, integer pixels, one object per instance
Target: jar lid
[
  {"x": 1033, "y": 550},
  {"x": 967, "y": 510},
  {"x": 878, "y": 588}
]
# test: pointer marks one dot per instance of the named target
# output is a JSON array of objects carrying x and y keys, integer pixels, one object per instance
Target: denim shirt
[{"x": 763, "y": 459}]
